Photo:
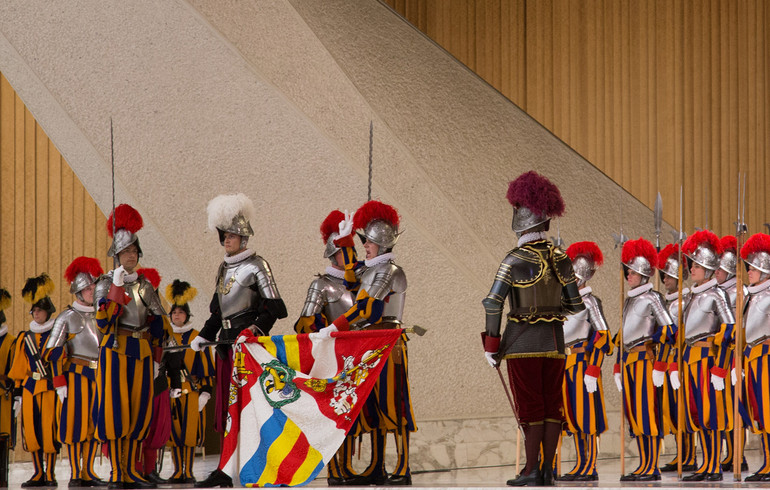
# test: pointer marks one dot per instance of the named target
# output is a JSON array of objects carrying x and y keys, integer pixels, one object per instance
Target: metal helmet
[
  {"x": 703, "y": 248},
  {"x": 729, "y": 259},
  {"x": 639, "y": 256},
  {"x": 382, "y": 233},
  {"x": 535, "y": 200},
  {"x": 330, "y": 232},
  {"x": 668, "y": 262},
  {"x": 122, "y": 226},
  {"x": 586, "y": 258},
  {"x": 231, "y": 213},
  {"x": 756, "y": 253},
  {"x": 380, "y": 224}
]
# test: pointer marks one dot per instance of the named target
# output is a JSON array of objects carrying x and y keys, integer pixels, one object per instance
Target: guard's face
[
  {"x": 697, "y": 273},
  {"x": 754, "y": 275},
  {"x": 178, "y": 317},
  {"x": 634, "y": 279},
  {"x": 88, "y": 294},
  {"x": 670, "y": 283},
  {"x": 39, "y": 315},
  {"x": 232, "y": 243},
  {"x": 129, "y": 258},
  {"x": 720, "y": 275},
  {"x": 372, "y": 249}
]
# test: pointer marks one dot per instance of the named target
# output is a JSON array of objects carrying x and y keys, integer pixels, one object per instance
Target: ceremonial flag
[{"x": 292, "y": 400}]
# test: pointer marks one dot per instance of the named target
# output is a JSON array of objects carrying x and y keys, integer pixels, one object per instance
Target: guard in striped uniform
[
  {"x": 130, "y": 316},
  {"x": 8, "y": 408},
  {"x": 756, "y": 357},
  {"x": 73, "y": 350},
  {"x": 246, "y": 297},
  {"x": 725, "y": 276},
  {"x": 708, "y": 324},
  {"x": 34, "y": 383},
  {"x": 647, "y": 331},
  {"x": 537, "y": 281},
  {"x": 588, "y": 340},
  {"x": 380, "y": 304},
  {"x": 668, "y": 267},
  {"x": 328, "y": 297},
  {"x": 196, "y": 379}
]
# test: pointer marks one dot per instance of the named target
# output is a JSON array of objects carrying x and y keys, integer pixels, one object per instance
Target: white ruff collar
[
  {"x": 703, "y": 287},
  {"x": 83, "y": 308},
  {"x": 531, "y": 237},
  {"x": 585, "y": 291},
  {"x": 639, "y": 290},
  {"x": 380, "y": 259},
  {"x": 729, "y": 283},
  {"x": 759, "y": 287},
  {"x": 183, "y": 329},
  {"x": 232, "y": 259},
  {"x": 38, "y": 328},
  {"x": 3, "y": 329},
  {"x": 675, "y": 294},
  {"x": 334, "y": 272}
]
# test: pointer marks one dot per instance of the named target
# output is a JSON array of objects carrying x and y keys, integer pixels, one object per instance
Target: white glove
[
  {"x": 203, "y": 399},
  {"x": 196, "y": 343},
  {"x": 326, "y": 332},
  {"x": 346, "y": 225},
  {"x": 717, "y": 382},
  {"x": 490, "y": 356},
  {"x": 175, "y": 392},
  {"x": 118, "y": 275},
  {"x": 155, "y": 369},
  {"x": 16, "y": 405},
  {"x": 674, "y": 377},
  {"x": 658, "y": 378},
  {"x": 591, "y": 383},
  {"x": 61, "y": 391},
  {"x": 618, "y": 382},
  {"x": 733, "y": 376}
]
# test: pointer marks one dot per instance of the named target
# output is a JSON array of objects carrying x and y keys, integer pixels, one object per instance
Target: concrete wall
[{"x": 274, "y": 99}]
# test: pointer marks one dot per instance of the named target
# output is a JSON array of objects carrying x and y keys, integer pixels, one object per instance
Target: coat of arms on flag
[{"x": 292, "y": 400}]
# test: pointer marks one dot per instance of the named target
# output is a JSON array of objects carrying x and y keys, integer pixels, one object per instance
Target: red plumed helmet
[
  {"x": 373, "y": 210},
  {"x": 126, "y": 218},
  {"x": 589, "y": 249},
  {"x": 536, "y": 193},
  {"x": 668, "y": 251},
  {"x": 758, "y": 242},
  {"x": 331, "y": 224},
  {"x": 85, "y": 265},
  {"x": 151, "y": 275},
  {"x": 639, "y": 256},
  {"x": 728, "y": 242},
  {"x": 703, "y": 248}
]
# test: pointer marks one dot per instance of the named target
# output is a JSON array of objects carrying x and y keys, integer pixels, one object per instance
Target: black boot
[
  {"x": 533, "y": 479},
  {"x": 217, "y": 478}
]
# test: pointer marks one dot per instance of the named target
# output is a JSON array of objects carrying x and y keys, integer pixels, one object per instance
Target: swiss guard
[
  {"x": 642, "y": 358},
  {"x": 34, "y": 384},
  {"x": 7, "y": 409},
  {"x": 756, "y": 358},
  {"x": 708, "y": 325},
  {"x": 196, "y": 377},
  {"x": 328, "y": 297},
  {"x": 380, "y": 305},
  {"x": 131, "y": 318},
  {"x": 668, "y": 268},
  {"x": 246, "y": 297},
  {"x": 588, "y": 340},
  {"x": 73, "y": 350},
  {"x": 533, "y": 342}
]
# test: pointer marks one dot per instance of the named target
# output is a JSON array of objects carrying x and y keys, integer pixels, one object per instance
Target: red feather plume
[
  {"x": 586, "y": 248},
  {"x": 151, "y": 275},
  {"x": 728, "y": 242},
  {"x": 83, "y": 264},
  {"x": 126, "y": 218},
  {"x": 698, "y": 238},
  {"x": 331, "y": 224},
  {"x": 373, "y": 210},
  {"x": 759, "y": 242},
  {"x": 668, "y": 251},
  {"x": 636, "y": 248},
  {"x": 537, "y": 193}
]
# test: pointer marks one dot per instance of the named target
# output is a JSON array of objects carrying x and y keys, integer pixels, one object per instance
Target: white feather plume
[{"x": 223, "y": 208}]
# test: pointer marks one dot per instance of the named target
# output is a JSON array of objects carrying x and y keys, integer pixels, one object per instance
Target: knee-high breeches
[
  {"x": 584, "y": 411},
  {"x": 188, "y": 425},
  {"x": 536, "y": 383},
  {"x": 708, "y": 409},
  {"x": 77, "y": 413},
  {"x": 38, "y": 424},
  {"x": 124, "y": 396},
  {"x": 641, "y": 398}
]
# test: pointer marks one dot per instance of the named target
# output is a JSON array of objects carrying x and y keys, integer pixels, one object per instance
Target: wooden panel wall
[
  {"x": 46, "y": 216},
  {"x": 656, "y": 94}
]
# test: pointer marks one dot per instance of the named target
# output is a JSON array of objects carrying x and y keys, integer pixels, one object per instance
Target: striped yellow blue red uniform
[
  {"x": 756, "y": 365},
  {"x": 670, "y": 417},
  {"x": 728, "y": 435},
  {"x": 188, "y": 425},
  {"x": 584, "y": 412},
  {"x": 124, "y": 388},
  {"x": 7, "y": 425},
  {"x": 38, "y": 405}
]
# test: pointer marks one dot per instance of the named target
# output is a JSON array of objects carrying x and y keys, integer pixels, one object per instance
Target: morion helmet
[
  {"x": 231, "y": 213},
  {"x": 535, "y": 200},
  {"x": 586, "y": 258},
  {"x": 756, "y": 253},
  {"x": 703, "y": 248},
  {"x": 330, "y": 232},
  {"x": 127, "y": 222},
  {"x": 380, "y": 224},
  {"x": 639, "y": 256},
  {"x": 81, "y": 273},
  {"x": 668, "y": 262},
  {"x": 729, "y": 259}
]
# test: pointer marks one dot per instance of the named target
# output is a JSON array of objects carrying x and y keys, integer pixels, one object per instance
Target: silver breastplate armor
[
  {"x": 327, "y": 295},
  {"x": 705, "y": 313},
  {"x": 757, "y": 317},
  {"x": 642, "y": 315},
  {"x": 386, "y": 280},
  {"x": 235, "y": 281},
  {"x": 672, "y": 305},
  {"x": 144, "y": 301},
  {"x": 80, "y": 328},
  {"x": 581, "y": 325}
]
